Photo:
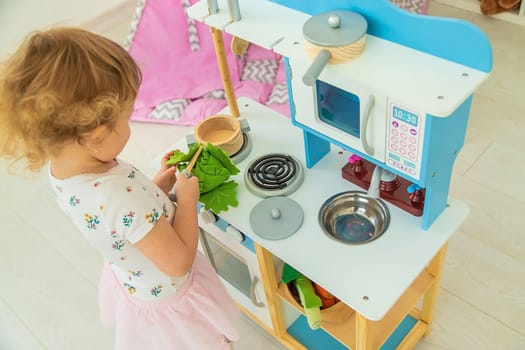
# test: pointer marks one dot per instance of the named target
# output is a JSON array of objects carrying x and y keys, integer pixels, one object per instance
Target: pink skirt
[{"x": 199, "y": 316}]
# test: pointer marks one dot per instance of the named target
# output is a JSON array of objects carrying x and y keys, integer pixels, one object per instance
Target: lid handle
[{"x": 334, "y": 21}]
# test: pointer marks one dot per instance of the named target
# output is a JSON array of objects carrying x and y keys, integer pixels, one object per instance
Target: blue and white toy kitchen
[{"x": 380, "y": 100}]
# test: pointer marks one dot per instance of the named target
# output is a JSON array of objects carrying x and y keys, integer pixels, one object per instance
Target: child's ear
[
  {"x": 94, "y": 138},
  {"x": 98, "y": 135}
]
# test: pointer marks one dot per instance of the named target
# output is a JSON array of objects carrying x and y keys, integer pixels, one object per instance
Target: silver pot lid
[
  {"x": 335, "y": 28},
  {"x": 276, "y": 218}
]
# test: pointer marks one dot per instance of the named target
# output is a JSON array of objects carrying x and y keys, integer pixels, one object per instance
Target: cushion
[
  {"x": 169, "y": 110},
  {"x": 260, "y": 70},
  {"x": 279, "y": 93}
]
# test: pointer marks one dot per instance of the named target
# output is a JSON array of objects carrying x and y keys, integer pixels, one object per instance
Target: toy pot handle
[{"x": 316, "y": 67}]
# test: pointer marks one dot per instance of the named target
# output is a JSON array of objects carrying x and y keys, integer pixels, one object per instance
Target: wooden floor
[{"x": 49, "y": 275}]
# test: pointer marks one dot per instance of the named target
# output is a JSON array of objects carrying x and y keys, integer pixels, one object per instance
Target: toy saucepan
[
  {"x": 222, "y": 130},
  {"x": 333, "y": 37}
]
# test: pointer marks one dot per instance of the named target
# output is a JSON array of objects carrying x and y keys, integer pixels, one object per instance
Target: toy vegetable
[
  {"x": 310, "y": 301},
  {"x": 213, "y": 168},
  {"x": 307, "y": 296}
]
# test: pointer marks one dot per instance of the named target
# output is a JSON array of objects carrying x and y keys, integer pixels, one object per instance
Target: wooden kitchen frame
[
  {"x": 398, "y": 312},
  {"x": 386, "y": 308},
  {"x": 403, "y": 267}
]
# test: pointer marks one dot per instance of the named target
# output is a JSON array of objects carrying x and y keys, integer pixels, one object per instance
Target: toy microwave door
[{"x": 347, "y": 114}]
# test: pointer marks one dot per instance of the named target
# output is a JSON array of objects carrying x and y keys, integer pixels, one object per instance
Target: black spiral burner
[{"x": 274, "y": 175}]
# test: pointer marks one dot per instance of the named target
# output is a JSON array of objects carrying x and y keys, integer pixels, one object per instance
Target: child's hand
[
  {"x": 166, "y": 177},
  {"x": 187, "y": 189}
]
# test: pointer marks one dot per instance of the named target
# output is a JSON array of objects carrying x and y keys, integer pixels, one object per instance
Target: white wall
[{"x": 19, "y": 17}]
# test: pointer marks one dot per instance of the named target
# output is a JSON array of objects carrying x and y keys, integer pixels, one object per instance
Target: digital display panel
[{"x": 405, "y": 116}]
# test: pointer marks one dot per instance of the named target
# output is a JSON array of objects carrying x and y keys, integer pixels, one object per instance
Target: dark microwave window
[{"x": 338, "y": 108}]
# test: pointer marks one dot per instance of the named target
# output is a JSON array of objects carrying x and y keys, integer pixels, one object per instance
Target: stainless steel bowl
[{"x": 353, "y": 217}]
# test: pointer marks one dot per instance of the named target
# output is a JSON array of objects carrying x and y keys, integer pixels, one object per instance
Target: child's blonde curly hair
[{"x": 57, "y": 87}]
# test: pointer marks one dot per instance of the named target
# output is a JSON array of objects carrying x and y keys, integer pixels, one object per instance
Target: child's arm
[{"x": 172, "y": 248}]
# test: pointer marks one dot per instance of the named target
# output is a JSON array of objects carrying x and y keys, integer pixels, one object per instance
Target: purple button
[
  {"x": 395, "y": 124},
  {"x": 413, "y": 131}
]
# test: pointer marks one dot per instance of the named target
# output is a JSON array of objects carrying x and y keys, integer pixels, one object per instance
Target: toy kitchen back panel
[{"x": 401, "y": 104}]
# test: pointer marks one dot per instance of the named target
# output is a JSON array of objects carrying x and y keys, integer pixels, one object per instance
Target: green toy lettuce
[{"x": 213, "y": 168}]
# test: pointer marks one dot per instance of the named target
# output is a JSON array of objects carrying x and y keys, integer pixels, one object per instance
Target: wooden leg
[
  {"x": 363, "y": 339},
  {"x": 435, "y": 268},
  {"x": 269, "y": 279}
]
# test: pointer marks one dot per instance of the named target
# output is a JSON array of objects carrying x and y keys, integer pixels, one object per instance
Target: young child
[{"x": 66, "y": 96}]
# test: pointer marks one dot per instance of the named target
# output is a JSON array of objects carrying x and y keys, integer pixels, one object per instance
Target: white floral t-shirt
[{"x": 114, "y": 210}]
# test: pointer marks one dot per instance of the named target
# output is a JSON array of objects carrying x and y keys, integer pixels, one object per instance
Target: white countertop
[{"x": 382, "y": 269}]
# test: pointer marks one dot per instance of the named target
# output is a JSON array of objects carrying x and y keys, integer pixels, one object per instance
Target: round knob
[
  {"x": 334, "y": 21},
  {"x": 208, "y": 217},
  {"x": 412, "y": 188},
  {"x": 234, "y": 233},
  {"x": 354, "y": 158},
  {"x": 416, "y": 196},
  {"x": 275, "y": 213}
]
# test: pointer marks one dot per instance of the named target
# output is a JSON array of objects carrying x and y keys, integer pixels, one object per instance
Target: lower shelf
[
  {"x": 393, "y": 324},
  {"x": 320, "y": 340},
  {"x": 313, "y": 339}
]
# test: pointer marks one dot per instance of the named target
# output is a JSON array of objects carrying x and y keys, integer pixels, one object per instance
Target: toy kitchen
[{"x": 351, "y": 192}]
